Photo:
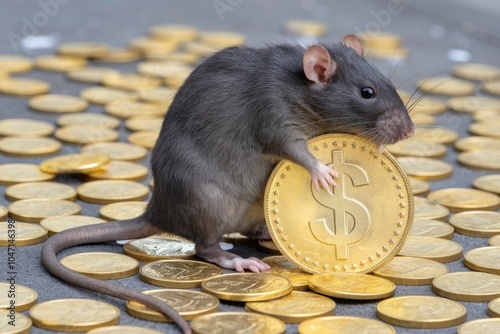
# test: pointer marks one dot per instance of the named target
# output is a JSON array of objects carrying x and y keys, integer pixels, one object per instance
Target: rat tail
[{"x": 117, "y": 230}]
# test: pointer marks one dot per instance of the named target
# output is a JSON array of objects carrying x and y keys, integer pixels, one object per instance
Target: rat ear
[
  {"x": 354, "y": 43},
  {"x": 318, "y": 64}
]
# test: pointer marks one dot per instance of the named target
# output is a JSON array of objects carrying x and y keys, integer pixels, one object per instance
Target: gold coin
[
  {"x": 117, "y": 150},
  {"x": 58, "y": 103},
  {"x": 74, "y": 315},
  {"x": 119, "y": 170},
  {"x": 434, "y": 134},
  {"x": 424, "y": 105},
  {"x": 59, "y": 63},
  {"x": 419, "y": 187},
  {"x": 3, "y": 212},
  {"x": 386, "y": 53},
  {"x": 83, "y": 49},
  {"x": 477, "y": 72},
  {"x": 185, "y": 274},
  {"x": 26, "y": 234},
  {"x": 494, "y": 240},
  {"x": 482, "y": 159},
  {"x": 162, "y": 95},
  {"x": 24, "y": 127},
  {"x": 471, "y": 104},
  {"x": 483, "y": 259},
  {"x": 88, "y": 119},
  {"x": 282, "y": 267},
  {"x": 465, "y": 199},
  {"x": 269, "y": 246},
  {"x": 427, "y": 209},
  {"x": 237, "y": 322},
  {"x": 296, "y": 307},
  {"x": 486, "y": 115},
  {"x": 145, "y": 139},
  {"x": 85, "y": 134},
  {"x": 15, "y": 64},
  {"x": 300, "y": 219},
  {"x": 483, "y": 326},
  {"x": 437, "y": 249},
  {"x": 177, "y": 57},
  {"x": 116, "y": 55},
  {"x": 58, "y": 224},
  {"x": 491, "y": 87},
  {"x": 221, "y": 39},
  {"x": 247, "y": 287},
  {"x": 485, "y": 129},
  {"x": 102, "y": 265},
  {"x": 23, "y": 87},
  {"x": 381, "y": 40},
  {"x": 127, "y": 109},
  {"x": 467, "y": 286},
  {"x": 174, "y": 32},
  {"x": 161, "y": 69},
  {"x": 111, "y": 191},
  {"x": 18, "y": 173},
  {"x": 490, "y": 183},
  {"x": 494, "y": 308},
  {"x": 189, "y": 304},
  {"x": 124, "y": 330},
  {"x": 104, "y": 95},
  {"x": 25, "y": 297},
  {"x": 423, "y": 312},
  {"x": 144, "y": 123},
  {"x": 176, "y": 81},
  {"x": 426, "y": 168},
  {"x": 90, "y": 74},
  {"x": 155, "y": 249},
  {"x": 423, "y": 119},
  {"x": 353, "y": 286},
  {"x": 34, "y": 210},
  {"x": 416, "y": 148},
  {"x": 122, "y": 210},
  {"x": 477, "y": 143},
  {"x": 477, "y": 223},
  {"x": 74, "y": 163},
  {"x": 40, "y": 190},
  {"x": 431, "y": 228},
  {"x": 200, "y": 50},
  {"x": 147, "y": 45},
  {"x": 306, "y": 27},
  {"x": 404, "y": 270},
  {"x": 445, "y": 85},
  {"x": 23, "y": 323},
  {"x": 344, "y": 325},
  {"x": 26, "y": 146},
  {"x": 130, "y": 81}
]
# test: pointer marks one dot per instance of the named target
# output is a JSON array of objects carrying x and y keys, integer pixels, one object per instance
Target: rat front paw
[{"x": 322, "y": 177}]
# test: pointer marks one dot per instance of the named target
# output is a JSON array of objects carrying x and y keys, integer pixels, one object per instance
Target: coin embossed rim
[
  {"x": 483, "y": 252},
  {"x": 439, "y": 287}
]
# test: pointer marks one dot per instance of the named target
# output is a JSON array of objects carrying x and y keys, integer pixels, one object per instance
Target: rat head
[{"x": 352, "y": 96}]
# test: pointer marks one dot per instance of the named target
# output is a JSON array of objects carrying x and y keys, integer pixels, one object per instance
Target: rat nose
[{"x": 409, "y": 132}]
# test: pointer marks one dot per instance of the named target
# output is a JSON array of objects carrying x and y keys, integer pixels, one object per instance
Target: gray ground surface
[{"x": 429, "y": 29}]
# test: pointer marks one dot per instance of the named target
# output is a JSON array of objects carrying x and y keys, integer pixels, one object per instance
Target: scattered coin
[
  {"x": 102, "y": 265},
  {"x": 486, "y": 115},
  {"x": 424, "y": 105},
  {"x": 25, "y": 297},
  {"x": 491, "y": 88},
  {"x": 90, "y": 74},
  {"x": 189, "y": 304},
  {"x": 485, "y": 129},
  {"x": 117, "y": 150},
  {"x": 177, "y": 57},
  {"x": 3, "y": 212},
  {"x": 423, "y": 119},
  {"x": 386, "y": 53},
  {"x": 26, "y": 146},
  {"x": 383, "y": 40},
  {"x": 477, "y": 143},
  {"x": 34, "y": 210},
  {"x": 431, "y": 228},
  {"x": 23, "y": 324},
  {"x": 490, "y": 183},
  {"x": 88, "y": 119},
  {"x": 185, "y": 274},
  {"x": 111, "y": 191},
  {"x": 58, "y": 103},
  {"x": 471, "y": 104},
  {"x": 26, "y": 234},
  {"x": 145, "y": 139},
  {"x": 164, "y": 70},
  {"x": 477, "y": 72},
  {"x": 83, "y": 49},
  {"x": 85, "y": 134},
  {"x": 477, "y": 223},
  {"x": 296, "y": 307},
  {"x": 423, "y": 312},
  {"x": 104, "y": 95},
  {"x": 24, "y": 127},
  {"x": 483, "y": 259},
  {"x": 494, "y": 308},
  {"x": 116, "y": 55},
  {"x": 344, "y": 325},
  {"x": 127, "y": 109},
  {"x": 426, "y": 168},
  {"x": 15, "y": 64},
  {"x": 76, "y": 315},
  {"x": 405, "y": 270},
  {"x": 221, "y": 39},
  {"x": 130, "y": 81},
  {"x": 434, "y": 134},
  {"x": 419, "y": 187},
  {"x": 123, "y": 330},
  {"x": 429, "y": 209},
  {"x": 118, "y": 170},
  {"x": 155, "y": 249},
  {"x": 269, "y": 246},
  {"x": 233, "y": 322},
  {"x": 40, "y": 190},
  {"x": 144, "y": 123},
  {"x": 437, "y": 249},
  {"x": 494, "y": 240},
  {"x": 58, "y": 224},
  {"x": 445, "y": 85},
  {"x": 467, "y": 286},
  {"x": 175, "y": 32},
  {"x": 59, "y": 63},
  {"x": 465, "y": 199},
  {"x": 18, "y": 173},
  {"x": 282, "y": 267},
  {"x": 415, "y": 148},
  {"x": 200, "y": 50},
  {"x": 122, "y": 210},
  {"x": 483, "y": 326},
  {"x": 75, "y": 163},
  {"x": 161, "y": 95},
  {"x": 148, "y": 45},
  {"x": 306, "y": 27},
  {"x": 23, "y": 87}
]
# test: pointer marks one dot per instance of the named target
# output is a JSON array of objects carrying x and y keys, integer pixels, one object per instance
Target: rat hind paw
[{"x": 253, "y": 264}]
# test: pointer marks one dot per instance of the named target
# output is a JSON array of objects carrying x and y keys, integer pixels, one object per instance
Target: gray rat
[{"x": 240, "y": 112}]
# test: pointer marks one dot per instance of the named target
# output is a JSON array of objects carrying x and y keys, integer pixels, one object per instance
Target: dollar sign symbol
[{"x": 337, "y": 232}]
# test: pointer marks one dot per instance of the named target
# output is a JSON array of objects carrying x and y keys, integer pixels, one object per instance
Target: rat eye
[{"x": 367, "y": 92}]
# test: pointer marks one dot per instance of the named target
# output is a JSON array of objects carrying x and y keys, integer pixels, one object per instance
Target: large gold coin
[
  {"x": 144, "y": 123},
  {"x": 18, "y": 173},
  {"x": 58, "y": 103},
  {"x": 23, "y": 324},
  {"x": 25, "y": 234},
  {"x": 467, "y": 286},
  {"x": 436, "y": 249},
  {"x": 494, "y": 308},
  {"x": 28, "y": 190},
  {"x": 344, "y": 325},
  {"x": 127, "y": 109},
  {"x": 296, "y": 307},
  {"x": 26, "y": 146},
  {"x": 122, "y": 210},
  {"x": 421, "y": 312},
  {"x": 471, "y": 104},
  {"x": 23, "y": 87},
  {"x": 445, "y": 85},
  {"x": 25, "y": 297},
  {"x": 90, "y": 74},
  {"x": 58, "y": 224},
  {"x": 34, "y": 210},
  {"x": 119, "y": 170},
  {"x": 85, "y": 134},
  {"x": 74, "y": 315},
  {"x": 490, "y": 183},
  {"x": 117, "y": 150},
  {"x": 189, "y": 304},
  {"x": 96, "y": 120},
  {"x": 306, "y": 27},
  {"x": 237, "y": 322},
  {"x": 59, "y": 63},
  {"x": 485, "y": 129},
  {"x": 102, "y": 265},
  {"x": 282, "y": 267},
  {"x": 185, "y": 274},
  {"x": 145, "y": 139},
  {"x": 353, "y": 286},
  {"x": 15, "y": 64},
  {"x": 83, "y": 49},
  {"x": 155, "y": 249},
  {"x": 415, "y": 148},
  {"x": 465, "y": 199},
  {"x": 426, "y": 168},
  {"x": 434, "y": 134},
  {"x": 174, "y": 32},
  {"x": 111, "y": 191},
  {"x": 75, "y": 163},
  {"x": 477, "y": 143},
  {"x": 483, "y": 259},
  {"x": 124, "y": 330},
  {"x": 404, "y": 270},
  {"x": 477, "y": 223},
  {"x": 431, "y": 228},
  {"x": 317, "y": 237},
  {"x": 247, "y": 287},
  {"x": 477, "y": 72},
  {"x": 24, "y": 127},
  {"x": 104, "y": 95},
  {"x": 427, "y": 209},
  {"x": 419, "y": 187},
  {"x": 118, "y": 56},
  {"x": 483, "y": 326}
]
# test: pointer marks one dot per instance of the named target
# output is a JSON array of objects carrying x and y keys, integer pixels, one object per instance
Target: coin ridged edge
[
  {"x": 458, "y": 296},
  {"x": 478, "y": 267}
]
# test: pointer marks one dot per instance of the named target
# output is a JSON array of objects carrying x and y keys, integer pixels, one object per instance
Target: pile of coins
[{"x": 112, "y": 173}]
